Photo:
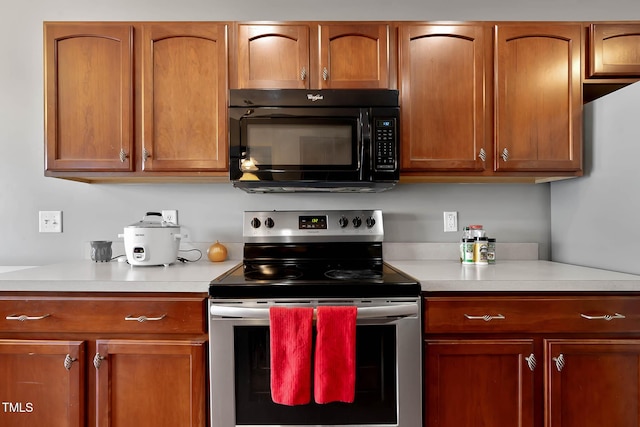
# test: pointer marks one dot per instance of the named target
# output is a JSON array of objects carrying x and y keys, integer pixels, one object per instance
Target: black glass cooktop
[{"x": 295, "y": 280}]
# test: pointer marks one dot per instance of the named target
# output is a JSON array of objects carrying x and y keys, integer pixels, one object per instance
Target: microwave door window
[
  {"x": 300, "y": 146},
  {"x": 325, "y": 150}
]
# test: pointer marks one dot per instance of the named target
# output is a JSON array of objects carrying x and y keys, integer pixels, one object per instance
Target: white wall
[
  {"x": 513, "y": 213},
  {"x": 594, "y": 220}
]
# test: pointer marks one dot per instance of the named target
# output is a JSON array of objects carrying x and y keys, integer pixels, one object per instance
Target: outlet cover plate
[
  {"x": 170, "y": 215},
  {"x": 450, "y": 221}
]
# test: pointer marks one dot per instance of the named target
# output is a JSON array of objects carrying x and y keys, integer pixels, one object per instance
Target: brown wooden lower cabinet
[
  {"x": 150, "y": 383},
  {"x": 114, "y": 361},
  {"x": 592, "y": 382},
  {"x": 532, "y": 361},
  {"x": 478, "y": 383},
  {"x": 37, "y": 387}
]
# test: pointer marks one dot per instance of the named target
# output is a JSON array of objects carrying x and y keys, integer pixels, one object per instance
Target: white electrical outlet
[
  {"x": 50, "y": 221},
  {"x": 450, "y": 221},
  {"x": 170, "y": 216}
]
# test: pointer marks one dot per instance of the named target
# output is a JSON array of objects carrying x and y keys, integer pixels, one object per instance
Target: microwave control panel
[{"x": 384, "y": 143}]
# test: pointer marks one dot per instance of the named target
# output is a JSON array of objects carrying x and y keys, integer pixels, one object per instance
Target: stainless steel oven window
[{"x": 389, "y": 344}]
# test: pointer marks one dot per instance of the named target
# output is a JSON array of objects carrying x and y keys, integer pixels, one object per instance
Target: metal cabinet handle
[
  {"x": 531, "y": 361},
  {"x": 68, "y": 361},
  {"x": 325, "y": 74},
  {"x": 482, "y": 155},
  {"x": 486, "y": 317},
  {"x": 559, "y": 362},
  {"x": 97, "y": 360},
  {"x": 505, "y": 155},
  {"x": 606, "y": 317},
  {"x": 23, "y": 317},
  {"x": 142, "y": 319},
  {"x": 145, "y": 154},
  {"x": 303, "y": 74},
  {"x": 123, "y": 155}
]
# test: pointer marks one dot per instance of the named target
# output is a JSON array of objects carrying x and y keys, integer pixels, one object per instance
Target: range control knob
[
  {"x": 255, "y": 223},
  {"x": 343, "y": 222},
  {"x": 269, "y": 223},
  {"x": 371, "y": 222},
  {"x": 357, "y": 222}
]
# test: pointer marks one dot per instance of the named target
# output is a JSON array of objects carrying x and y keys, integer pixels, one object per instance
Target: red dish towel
[
  {"x": 335, "y": 362},
  {"x": 290, "y": 342}
]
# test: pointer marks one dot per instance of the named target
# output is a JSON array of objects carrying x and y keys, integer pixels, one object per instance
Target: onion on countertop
[{"x": 217, "y": 252}]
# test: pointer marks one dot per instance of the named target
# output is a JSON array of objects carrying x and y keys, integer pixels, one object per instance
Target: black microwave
[{"x": 334, "y": 140}]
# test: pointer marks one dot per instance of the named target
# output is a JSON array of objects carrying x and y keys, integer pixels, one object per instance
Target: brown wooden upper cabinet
[
  {"x": 168, "y": 81},
  {"x": 312, "y": 56},
  {"x": 89, "y": 96},
  {"x": 614, "y": 50},
  {"x": 184, "y": 97},
  {"x": 470, "y": 108},
  {"x": 442, "y": 82},
  {"x": 538, "y": 97}
]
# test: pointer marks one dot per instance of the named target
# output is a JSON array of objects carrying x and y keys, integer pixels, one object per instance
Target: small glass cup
[{"x": 101, "y": 250}]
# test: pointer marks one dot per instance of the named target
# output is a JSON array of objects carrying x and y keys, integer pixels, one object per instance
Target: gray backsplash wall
[
  {"x": 413, "y": 212},
  {"x": 594, "y": 220}
]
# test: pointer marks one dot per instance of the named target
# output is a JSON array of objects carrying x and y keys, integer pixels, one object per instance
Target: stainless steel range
[{"x": 315, "y": 259}]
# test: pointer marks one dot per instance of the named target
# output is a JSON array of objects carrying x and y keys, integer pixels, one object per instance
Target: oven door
[{"x": 388, "y": 367}]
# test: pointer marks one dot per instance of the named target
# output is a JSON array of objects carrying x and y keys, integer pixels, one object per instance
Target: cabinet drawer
[
  {"x": 532, "y": 314},
  {"x": 184, "y": 315}
]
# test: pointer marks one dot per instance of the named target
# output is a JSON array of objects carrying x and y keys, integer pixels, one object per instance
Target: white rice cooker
[{"x": 151, "y": 241}]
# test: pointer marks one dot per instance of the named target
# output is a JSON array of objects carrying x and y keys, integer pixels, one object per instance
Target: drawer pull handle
[
  {"x": 559, "y": 362},
  {"x": 23, "y": 317},
  {"x": 68, "y": 361},
  {"x": 143, "y": 319},
  {"x": 97, "y": 360},
  {"x": 606, "y": 317},
  {"x": 531, "y": 362},
  {"x": 486, "y": 317}
]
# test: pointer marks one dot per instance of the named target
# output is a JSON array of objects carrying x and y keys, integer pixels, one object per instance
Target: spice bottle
[
  {"x": 466, "y": 234},
  {"x": 491, "y": 250},
  {"x": 480, "y": 251},
  {"x": 476, "y": 230},
  {"x": 468, "y": 245}
]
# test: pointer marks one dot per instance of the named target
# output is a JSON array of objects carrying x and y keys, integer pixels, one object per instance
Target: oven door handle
[{"x": 381, "y": 312}]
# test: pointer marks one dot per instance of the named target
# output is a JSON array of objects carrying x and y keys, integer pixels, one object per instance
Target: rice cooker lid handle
[{"x": 153, "y": 219}]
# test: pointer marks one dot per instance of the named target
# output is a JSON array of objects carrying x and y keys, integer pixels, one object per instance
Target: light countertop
[
  {"x": 516, "y": 276},
  {"x": 90, "y": 276},
  {"x": 8, "y": 268},
  {"x": 435, "y": 276}
]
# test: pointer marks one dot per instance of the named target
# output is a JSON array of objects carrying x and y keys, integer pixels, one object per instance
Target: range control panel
[{"x": 313, "y": 226}]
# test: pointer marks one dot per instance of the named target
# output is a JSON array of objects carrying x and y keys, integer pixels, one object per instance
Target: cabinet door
[
  {"x": 42, "y": 383},
  {"x": 88, "y": 96},
  {"x": 614, "y": 50},
  {"x": 539, "y": 100},
  {"x": 479, "y": 383},
  {"x": 592, "y": 383},
  {"x": 353, "y": 56},
  {"x": 150, "y": 383},
  {"x": 273, "y": 56},
  {"x": 184, "y": 97},
  {"x": 442, "y": 91}
]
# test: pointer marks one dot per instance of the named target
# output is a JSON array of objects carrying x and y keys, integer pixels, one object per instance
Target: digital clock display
[{"x": 312, "y": 222}]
